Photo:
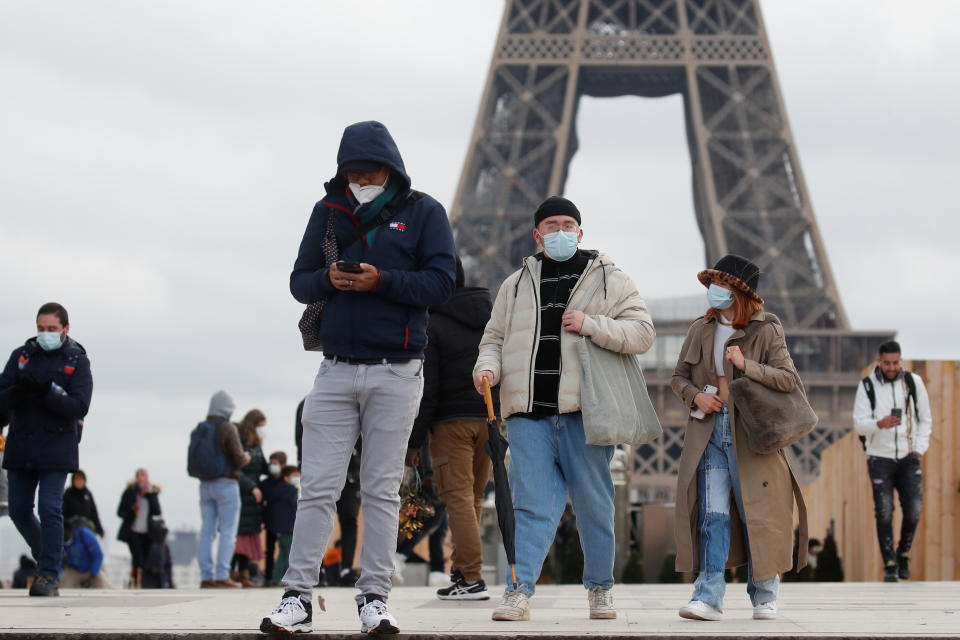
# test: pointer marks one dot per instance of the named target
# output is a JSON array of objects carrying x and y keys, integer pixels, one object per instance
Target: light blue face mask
[
  {"x": 49, "y": 340},
  {"x": 561, "y": 245},
  {"x": 718, "y": 297}
]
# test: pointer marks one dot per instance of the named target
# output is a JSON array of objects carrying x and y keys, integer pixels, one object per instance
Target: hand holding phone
[
  {"x": 348, "y": 266},
  {"x": 897, "y": 412},
  {"x": 699, "y": 413}
]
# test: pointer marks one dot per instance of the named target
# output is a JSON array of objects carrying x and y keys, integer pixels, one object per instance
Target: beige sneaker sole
[
  {"x": 509, "y": 616},
  {"x": 603, "y": 615}
]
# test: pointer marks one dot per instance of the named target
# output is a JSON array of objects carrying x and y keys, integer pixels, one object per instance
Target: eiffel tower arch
[{"x": 749, "y": 194}]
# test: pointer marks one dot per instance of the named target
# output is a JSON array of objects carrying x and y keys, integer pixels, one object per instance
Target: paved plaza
[{"x": 807, "y": 610}]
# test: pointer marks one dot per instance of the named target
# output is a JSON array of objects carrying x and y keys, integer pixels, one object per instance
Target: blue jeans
[
  {"x": 717, "y": 475},
  {"x": 549, "y": 457},
  {"x": 220, "y": 514},
  {"x": 43, "y": 535}
]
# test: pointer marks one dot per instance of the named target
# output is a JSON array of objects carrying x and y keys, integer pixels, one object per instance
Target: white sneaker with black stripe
[
  {"x": 294, "y": 614},
  {"x": 463, "y": 590},
  {"x": 375, "y": 618}
]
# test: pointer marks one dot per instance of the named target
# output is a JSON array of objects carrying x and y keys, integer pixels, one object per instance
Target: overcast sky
[{"x": 158, "y": 163}]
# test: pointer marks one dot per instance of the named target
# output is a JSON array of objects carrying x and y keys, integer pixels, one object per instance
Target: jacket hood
[
  {"x": 69, "y": 348},
  {"x": 470, "y": 306},
  {"x": 369, "y": 141},
  {"x": 221, "y": 405}
]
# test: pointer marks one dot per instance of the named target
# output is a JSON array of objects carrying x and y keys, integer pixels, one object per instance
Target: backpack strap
[
  {"x": 871, "y": 394},
  {"x": 389, "y": 211},
  {"x": 912, "y": 392}
]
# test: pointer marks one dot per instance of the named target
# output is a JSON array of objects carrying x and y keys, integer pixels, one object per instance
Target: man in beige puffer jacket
[{"x": 529, "y": 348}]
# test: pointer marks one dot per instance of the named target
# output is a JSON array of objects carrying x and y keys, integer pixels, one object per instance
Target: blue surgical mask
[
  {"x": 718, "y": 297},
  {"x": 561, "y": 245},
  {"x": 49, "y": 340}
]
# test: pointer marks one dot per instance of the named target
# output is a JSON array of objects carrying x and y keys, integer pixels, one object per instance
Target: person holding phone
[
  {"x": 396, "y": 259},
  {"x": 891, "y": 412},
  {"x": 734, "y": 337}
]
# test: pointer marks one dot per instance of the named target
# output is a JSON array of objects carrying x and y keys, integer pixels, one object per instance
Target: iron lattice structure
[{"x": 749, "y": 194}]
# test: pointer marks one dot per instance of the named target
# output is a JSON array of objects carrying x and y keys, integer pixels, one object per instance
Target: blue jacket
[
  {"x": 45, "y": 426},
  {"x": 82, "y": 552},
  {"x": 414, "y": 252},
  {"x": 279, "y": 505}
]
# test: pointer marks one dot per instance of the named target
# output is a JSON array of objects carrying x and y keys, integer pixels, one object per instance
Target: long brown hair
[
  {"x": 744, "y": 308},
  {"x": 248, "y": 427}
]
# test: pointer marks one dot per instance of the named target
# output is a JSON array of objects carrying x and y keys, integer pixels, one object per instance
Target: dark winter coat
[
  {"x": 79, "y": 503},
  {"x": 45, "y": 426},
  {"x": 279, "y": 505},
  {"x": 453, "y": 336},
  {"x": 251, "y": 518},
  {"x": 127, "y": 509},
  {"x": 414, "y": 252}
]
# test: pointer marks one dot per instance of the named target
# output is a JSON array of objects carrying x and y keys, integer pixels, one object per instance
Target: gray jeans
[{"x": 380, "y": 403}]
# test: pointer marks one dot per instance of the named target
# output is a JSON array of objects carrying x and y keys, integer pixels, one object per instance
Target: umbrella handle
[{"x": 488, "y": 399}]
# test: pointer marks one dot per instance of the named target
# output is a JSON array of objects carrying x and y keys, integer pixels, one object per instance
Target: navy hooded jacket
[
  {"x": 414, "y": 252},
  {"x": 45, "y": 427}
]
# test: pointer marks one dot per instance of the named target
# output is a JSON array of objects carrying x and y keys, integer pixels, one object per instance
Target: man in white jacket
[
  {"x": 529, "y": 348},
  {"x": 892, "y": 413}
]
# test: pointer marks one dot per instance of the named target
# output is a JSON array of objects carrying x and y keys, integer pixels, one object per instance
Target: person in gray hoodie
[{"x": 220, "y": 497}]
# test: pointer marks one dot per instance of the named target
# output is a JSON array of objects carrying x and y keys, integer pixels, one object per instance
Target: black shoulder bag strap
[
  {"x": 388, "y": 212},
  {"x": 872, "y": 397}
]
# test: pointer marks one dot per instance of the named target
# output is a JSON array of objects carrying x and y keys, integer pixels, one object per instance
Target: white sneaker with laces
[
  {"x": 765, "y": 611},
  {"x": 292, "y": 615},
  {"x": 698, "y": 610},
  {"x": 376, "y": 619},
  {"x": 438, "y": 579},
  {"x": 514, "y": 606},
  {"x": 601, "y": 604},
  {"x": 399, "y": 564}
]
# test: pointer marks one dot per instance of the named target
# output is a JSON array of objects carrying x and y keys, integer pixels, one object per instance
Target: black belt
[{"x": 368, "y": 360}]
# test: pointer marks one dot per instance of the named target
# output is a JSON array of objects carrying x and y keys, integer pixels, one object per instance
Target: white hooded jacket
[{"x": 911, "y": 435}]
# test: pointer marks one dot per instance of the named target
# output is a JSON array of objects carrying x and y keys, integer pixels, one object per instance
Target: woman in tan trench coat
[{"x": 734, "y": 506}]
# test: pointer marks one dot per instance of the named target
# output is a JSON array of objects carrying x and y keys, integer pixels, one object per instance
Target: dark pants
[
  {"x": 140, "y": 545},
  {"x": 348, "y": 508},
  {"x": 44, "y": 535},
  {"x": 269, "y": 553},
  {"x": 905, "y": 476}
]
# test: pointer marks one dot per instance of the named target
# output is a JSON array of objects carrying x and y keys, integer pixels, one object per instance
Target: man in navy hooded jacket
[
  {"x": 45, "y": 392},
  {"x": 374, "y": 331}
]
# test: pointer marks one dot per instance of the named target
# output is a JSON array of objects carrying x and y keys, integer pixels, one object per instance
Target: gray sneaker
[
  {"x": 514, "y": 606},
  {"x": 601, "y": 604}
]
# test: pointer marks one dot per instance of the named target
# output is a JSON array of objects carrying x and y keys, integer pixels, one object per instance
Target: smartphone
[
  {"x": 349, "y": 267},
  {"x": 897, "y": 412},
  {"x": 698, "y": 413}
]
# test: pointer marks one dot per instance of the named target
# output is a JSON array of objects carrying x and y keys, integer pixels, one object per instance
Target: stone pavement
[{"x": 807, "y": 610}]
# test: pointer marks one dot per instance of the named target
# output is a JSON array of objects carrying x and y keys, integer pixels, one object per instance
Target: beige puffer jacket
[{"x": 616, "y": 319}]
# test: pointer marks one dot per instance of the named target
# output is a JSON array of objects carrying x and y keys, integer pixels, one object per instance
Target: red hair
[{"x": 744, "y": 308}]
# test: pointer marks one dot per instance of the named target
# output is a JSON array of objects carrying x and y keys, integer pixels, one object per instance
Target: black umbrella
[{"x": 497, "y": 448}]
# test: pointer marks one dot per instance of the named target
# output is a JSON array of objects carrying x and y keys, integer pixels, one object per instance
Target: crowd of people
[{"x": 408, "y": 349}]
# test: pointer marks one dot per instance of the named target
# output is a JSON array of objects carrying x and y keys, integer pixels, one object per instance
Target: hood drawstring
[
  {"x": 516, "y": 287},
  {"x": 603, "y": 270}
]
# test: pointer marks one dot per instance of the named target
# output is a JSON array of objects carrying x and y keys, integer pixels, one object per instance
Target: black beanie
[{"x": 555, "y": 206}]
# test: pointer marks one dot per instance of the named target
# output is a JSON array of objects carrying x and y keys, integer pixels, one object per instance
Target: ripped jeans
[
  {"x": 904, "y": 475},
  {"x": 717, "y": 477}
]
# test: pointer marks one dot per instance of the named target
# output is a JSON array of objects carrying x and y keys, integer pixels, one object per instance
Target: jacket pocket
[{"x": 693, "y": 354}]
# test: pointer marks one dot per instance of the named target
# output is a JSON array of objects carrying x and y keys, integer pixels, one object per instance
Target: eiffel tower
[{"x": 750, "y": 197}]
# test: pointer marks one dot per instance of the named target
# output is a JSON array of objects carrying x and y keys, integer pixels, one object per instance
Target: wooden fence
[{"x": 842, "y": 494}]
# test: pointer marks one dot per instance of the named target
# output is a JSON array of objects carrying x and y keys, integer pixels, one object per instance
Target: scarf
[{"x": 375, "y": 207}]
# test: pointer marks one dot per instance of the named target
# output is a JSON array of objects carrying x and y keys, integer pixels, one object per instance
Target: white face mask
[
  {"x": 274, "y": 469},
  {"x": 295, "y": 481},
  {"x": 262, "y": 432},
  {"x": 367, "y": 193}
]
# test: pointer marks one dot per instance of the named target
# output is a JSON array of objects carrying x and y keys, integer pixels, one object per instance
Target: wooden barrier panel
[{"x": 842, "y": 493}]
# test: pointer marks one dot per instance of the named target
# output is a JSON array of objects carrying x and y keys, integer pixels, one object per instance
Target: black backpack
[
  {"x": 872, "y": 397},
  {"x": 205, "y": 458}
]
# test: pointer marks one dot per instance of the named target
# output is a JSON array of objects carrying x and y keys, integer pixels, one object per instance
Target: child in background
[
  {"x": 279, "y": 514},
  {"x": 278, "y": 460}
]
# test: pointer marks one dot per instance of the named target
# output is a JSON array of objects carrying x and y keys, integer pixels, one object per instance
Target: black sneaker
[
  {"x": 903, "y": 567},
  {"x": 463, "y": 590},
  {"x": 44, "y": 586},
  {"x": 294, "y": 614},
  {"x": 890, "y": 572}
]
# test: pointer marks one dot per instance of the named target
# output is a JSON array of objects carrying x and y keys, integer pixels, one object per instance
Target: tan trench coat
[{"x": 767, "y": 483}]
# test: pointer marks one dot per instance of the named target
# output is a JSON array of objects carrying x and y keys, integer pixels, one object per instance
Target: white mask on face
[
  {"x": 262, "y": 431},
  {"x": 367, "y": 193},
  {"x": 274, "y": 469},
  {"x": 295, "y": 481}
]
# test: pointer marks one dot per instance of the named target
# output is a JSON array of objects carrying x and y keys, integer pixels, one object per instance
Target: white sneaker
[
  {"x": 399, "y": 564},
  {"x": 292, "y": 615},
  {"x": 765, "y": 611},
  {"x": 438, "y": 579},
  {"x": 697, "y": 610},
  {"x": 601, "y": 604},
  {"x": 514, "y": 606},
  {"x": 375, "y": 619}
]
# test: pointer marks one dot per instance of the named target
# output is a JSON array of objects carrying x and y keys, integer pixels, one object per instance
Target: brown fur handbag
[{"x": 771, "y": 419}]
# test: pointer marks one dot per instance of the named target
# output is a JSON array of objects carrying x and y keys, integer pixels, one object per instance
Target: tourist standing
[
  {"x": 139, "y": 503},
  {"x": 249, "y": 548},
  {"x": 78, "y": 502}
]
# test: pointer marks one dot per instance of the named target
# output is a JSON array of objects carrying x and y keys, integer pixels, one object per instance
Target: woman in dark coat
[
  {"x": 139, "y": 503},
  {"x": 78, "y": 502},
  {"x": 249, "y": 549}
]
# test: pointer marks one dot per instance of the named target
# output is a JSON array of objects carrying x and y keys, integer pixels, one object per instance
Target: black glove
[{"x": 27, "y": 383}]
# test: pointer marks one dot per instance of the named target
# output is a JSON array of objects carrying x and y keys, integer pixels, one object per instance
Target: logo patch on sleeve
[{"x": 398, "y": 226}]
